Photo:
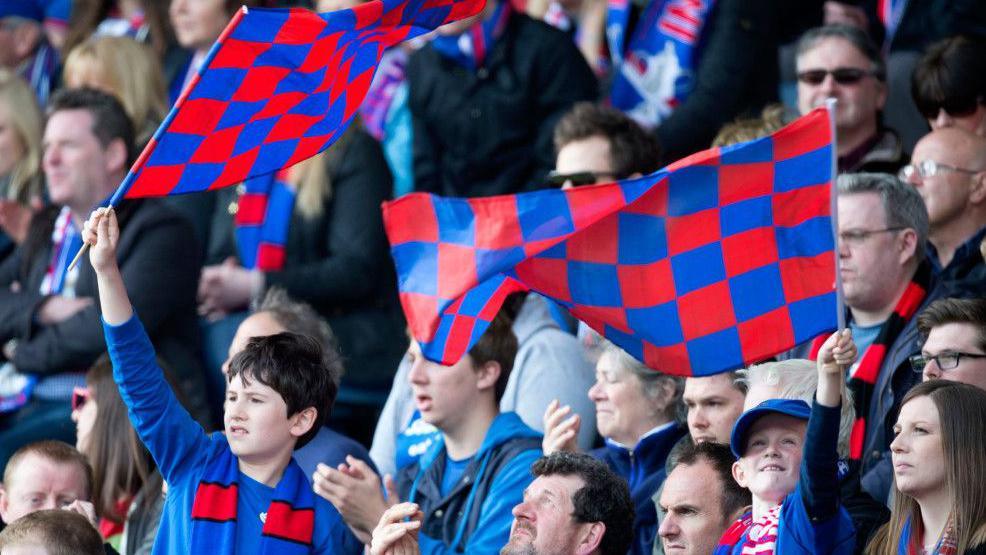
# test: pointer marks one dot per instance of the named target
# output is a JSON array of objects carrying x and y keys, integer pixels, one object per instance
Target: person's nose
[
  {"x": 931, "y": 370},
  {"x": 418, "y": 374},
  {"x": 669, "y": 526},
  {"x": 596, "y": 392}
]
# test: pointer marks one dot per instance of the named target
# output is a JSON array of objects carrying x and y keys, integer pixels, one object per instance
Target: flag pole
[{"x": 840, "y": 305}]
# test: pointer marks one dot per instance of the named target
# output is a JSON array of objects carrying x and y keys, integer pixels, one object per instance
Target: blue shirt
[
  {"x": 254, "y": 498},
  {"x": 453, "y": 473}
]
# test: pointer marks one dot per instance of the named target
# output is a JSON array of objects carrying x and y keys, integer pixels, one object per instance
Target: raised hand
[
  {"x": 561, "y": 429},
  {"x": 102, "y": 232},
  {"x": 355, "y": 491},
  {"x": 394, "y": 535},
  {"x": 835, "y": 356}
]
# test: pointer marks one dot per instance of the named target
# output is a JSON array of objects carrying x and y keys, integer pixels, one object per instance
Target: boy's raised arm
[{"x": 173, "y": 438}]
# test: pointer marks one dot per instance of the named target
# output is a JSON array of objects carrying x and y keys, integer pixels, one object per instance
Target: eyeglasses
[
  {"x": 858, "y": 236},
  {"x": 954, "y": 107},
  {"x": 577, "y": 179},
  {"x": 945, "y": 361},
  {"x": 841, "y": 75},
  {"x": 929, "y": 168},
  {"x": 79, "y": 397}
]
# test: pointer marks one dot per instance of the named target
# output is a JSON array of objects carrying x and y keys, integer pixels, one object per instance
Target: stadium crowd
[{"x": 209, "y": 382}]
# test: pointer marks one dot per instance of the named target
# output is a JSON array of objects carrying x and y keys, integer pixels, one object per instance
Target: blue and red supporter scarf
[
  {"x": 263, "y": 216},
  {"x": 380, "y": 96},
  {"x": 470, "y": 48},
  {"x": 65, "y": 242},
  {"x": 734, "y": 534},
  {"x": 911, "y": 541},
  {"x": 890, "y": 13},
  {"x": 863, "y": 376},
  {"x": 289, "y": 524},
  {"x": 654, "y": 70}
]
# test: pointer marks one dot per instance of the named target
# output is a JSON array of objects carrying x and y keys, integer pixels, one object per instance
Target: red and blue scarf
[
  {"x": 863, "y": 376},
  {"x": 290, "y": 522},
  {"x": 65, "y": 242},
  {"x": 263, "y": 216},
  {"x": 654, "y": 71},
  {"x": 911, "y": 541},
  {"x": 734, "y": 534},
  {"x": 470, "y": 48}
]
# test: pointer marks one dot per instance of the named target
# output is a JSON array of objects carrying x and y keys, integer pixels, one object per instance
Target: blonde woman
[
  {"x": 21, "y": 180},
  {"x": 126, "y": 69}
]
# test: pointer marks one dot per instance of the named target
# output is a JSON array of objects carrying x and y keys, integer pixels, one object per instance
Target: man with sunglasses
[
  {"x": 955, "y": 341},
  {"x": 948, "y": 169},
  {"x": 599, "y": 144},
  {"x": 841, "y": 62}
]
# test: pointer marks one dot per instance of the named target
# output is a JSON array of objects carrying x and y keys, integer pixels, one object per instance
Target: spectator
[
  {"x": 466, "y": 480},
  {"x": 714, "y": 403},
  {"x": 549, "y": 364},
  {"x": 278, "y": 387},
  {"x": 771, "y": 119},
  {"x": 483, "y": 123},
  {"x": 126, "y": 69},
  {"x": 599, "y": 144},
  {"x": 43, "y": 475},
  {"x": 955, "y": 341},
  {"x": 576, "y": 505},
  {"x": 24, "y": 48},
  {"x": 949, "y": 84},
  {"x": 886, "y": 281},
  {"x": 792, "y": 475},
  {"x": 279, "y": 313},
  {"x": 948, "y": 169},
  {"x": 52, "y": 532},
  {"x": 798, "y": 380},
  {"x": 126, "y": 483},
  {"x": 334, "y": 257},
  {"x": 51, "y": 315},
  {"x": 700, "y": 499},
  {"x": 21, "y": 183},
  {"x": 938, "y": 500},
  {"x": 636, "y": 410},
  {"x": 841, "y": 62},
  {"x": 584, "y": 20}
]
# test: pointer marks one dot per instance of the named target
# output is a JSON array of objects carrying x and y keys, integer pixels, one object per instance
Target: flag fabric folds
[
  {"x": 279, "y": 86},
  {"x": 722, "y": 259}
]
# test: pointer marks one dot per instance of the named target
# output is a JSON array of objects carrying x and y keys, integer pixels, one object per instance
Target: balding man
[{"x": 949, "y": 171}]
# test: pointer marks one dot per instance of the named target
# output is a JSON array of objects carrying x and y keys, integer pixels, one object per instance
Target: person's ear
[
  {"x": 487, "y": 374},
  {"x": 303, "y": 421},
  {"x": 739, "y": 474},
  {"x": 977, "y": 191},
  {"x": 881, "y": 95},
  {"x": 592, "y": 537},
  {"x": 116, "y": 156},
  {"x": 4, "y": 504},
  {"x": 908, "y": 245}
]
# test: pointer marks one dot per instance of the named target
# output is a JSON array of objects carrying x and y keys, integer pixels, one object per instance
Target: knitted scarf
[
  {"x": 734, "y": 534},
  {"x": 762, "y": 536},
  {"x": 263, "y": 216},
  {"x": 863, "y": 377},
  {"x": 911, "y": 540},
  {"x": 290, "y": 521}
]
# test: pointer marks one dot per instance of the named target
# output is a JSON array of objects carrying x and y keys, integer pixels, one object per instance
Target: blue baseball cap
[
  {"x": 28, "y": 9},
  {"x": 791, "y": 407}
]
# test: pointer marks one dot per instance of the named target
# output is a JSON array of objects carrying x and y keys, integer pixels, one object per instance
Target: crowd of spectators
[{"x": 188, "y": 389}]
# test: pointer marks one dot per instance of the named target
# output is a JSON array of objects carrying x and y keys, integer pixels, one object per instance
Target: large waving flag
[
  {"x": 278, "y": 86},
  {"x": 722, "y": 259}
]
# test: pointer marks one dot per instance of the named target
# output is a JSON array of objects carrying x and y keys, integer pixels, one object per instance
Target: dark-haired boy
[{"x": 238, "y": 492}]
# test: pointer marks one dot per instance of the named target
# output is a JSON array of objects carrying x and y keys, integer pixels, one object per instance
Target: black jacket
[
  {"x": 490, "y": 131},
  {"x": 340, "y": 262},
  {"x": 158, "y": 258}
]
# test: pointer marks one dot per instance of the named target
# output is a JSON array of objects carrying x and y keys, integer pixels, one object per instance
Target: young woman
[{"x": 938, "y": 455}]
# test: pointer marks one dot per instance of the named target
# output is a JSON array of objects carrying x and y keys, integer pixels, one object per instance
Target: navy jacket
[{"x": 643, "y": 469}]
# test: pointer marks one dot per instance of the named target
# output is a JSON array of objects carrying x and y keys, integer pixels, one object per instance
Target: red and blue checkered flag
[
  {"x": 279, "y": 86},
  {"x": 722, "y": 259}
]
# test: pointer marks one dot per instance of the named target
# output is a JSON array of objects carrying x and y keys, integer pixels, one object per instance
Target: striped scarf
[
  {"x": 761, "y": 539},
  {"x": 471, "y": 47},
  {"x": 263, "y": 216},
  {"x": 911, "y": 541},
  {"x": 65, "y": 242},
  {"x": 863, "y": 377},
  {"x": 734, "y": 534},
  {"x": 290, "y": 521}
]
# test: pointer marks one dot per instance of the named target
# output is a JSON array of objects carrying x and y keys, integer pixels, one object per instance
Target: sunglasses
[
  {"x": 79, "y": 397},
  {"x": 577, "y": 179},
  {"x": 954, "y": 107},
  {"x": 841, "y": 75}
]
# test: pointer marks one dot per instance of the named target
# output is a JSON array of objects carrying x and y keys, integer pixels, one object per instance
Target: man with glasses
[
  {"x": 955, "y": 341},
  {"x": 599, "y": 144},
  {"x": 841, "y": 62},
  {"x": 886, "y": 281},
  {"x": 948, "y": 169}
]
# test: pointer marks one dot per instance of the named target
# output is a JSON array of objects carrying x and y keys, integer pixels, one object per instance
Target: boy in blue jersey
[
  {"x": 241, "y": 491},
  {"x": 788, "y": 460}
]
